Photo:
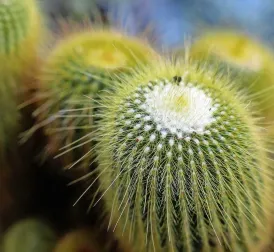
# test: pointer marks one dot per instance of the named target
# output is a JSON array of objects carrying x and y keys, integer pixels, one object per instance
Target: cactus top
[
  {"x": 236, "y": 49},
  {"x": 100, "y": 50},
  {"x": 181, "y": 160},
  {"x": 18, "y": 26},
  {"x": 251, "y": 61}
]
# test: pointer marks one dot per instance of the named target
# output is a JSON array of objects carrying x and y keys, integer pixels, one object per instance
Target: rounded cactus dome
[
  {"x": 181, "y": 161},
  {"x": 102, "y": 49},
  {"x": 249, "y": 60},
  {"x": 81, "y": 64},
  {"x": 234, "y": 48}
]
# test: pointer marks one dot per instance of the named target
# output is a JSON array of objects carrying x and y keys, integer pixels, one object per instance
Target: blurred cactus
[
  {"x": 9, "y": 114},
  {"x": 182, "y": 163},
  {"x": 247, "y": 58},
  {"x": 79, "y": 240},
  {"x": 20, "y": 31},
  {"x": 29, "y": 235},
  {"x": 81, "y": 65}
]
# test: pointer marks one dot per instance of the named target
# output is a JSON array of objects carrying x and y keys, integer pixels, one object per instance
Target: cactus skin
[
  {"x": 9, "y": 115},
  {"x": 20, "y": 34},
  {"x": 247, "y": 58},
  {"x": 79, "y": 240},
  {"x": 81, "y": 64},
  {"x": 181, "y": 162},
  {"x": 29, "y": 235}
]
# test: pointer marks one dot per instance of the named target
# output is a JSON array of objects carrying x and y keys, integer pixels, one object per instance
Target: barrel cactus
[
  {"x": 182, "y": 162},
  {"x": 20, "y": 33},
  {"x": 246, "y": 57},
  {"x": 81, "y": 65}
]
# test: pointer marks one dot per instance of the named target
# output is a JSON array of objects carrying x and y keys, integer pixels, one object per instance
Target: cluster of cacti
[
  {"x": 179, "y": 150},
  {"x": 251, "y": 62},
  {"x": 79, "y": 67},
  {"x": 181, "y": 161}
]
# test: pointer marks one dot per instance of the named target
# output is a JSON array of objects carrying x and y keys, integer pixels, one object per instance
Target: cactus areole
[{"x": 180, "y": 162}]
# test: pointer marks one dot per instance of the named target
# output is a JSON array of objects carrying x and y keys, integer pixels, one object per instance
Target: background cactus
[
  {"x": 182, "y": 164},
  {"x": 81, "y": 64},
  {"x": 247, "y": 58},
  {"x": 20, "y": 34},
  {"x": 79, "y": 240},
  {"x": 9, "y": 115},
  {"x": 29, "y": 235}
]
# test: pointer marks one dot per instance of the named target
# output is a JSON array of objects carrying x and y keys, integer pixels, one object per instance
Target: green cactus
[
  {"x": 20, "y": 32},
  {"x": 80, "y": 65},
  {"x": 182, "y": 163},
  {"x": 9, "y": 114},
  {"x": 29, "y": 235},
  {"x": 78, "y": 240},
  {"x": 244, "y": 57}
]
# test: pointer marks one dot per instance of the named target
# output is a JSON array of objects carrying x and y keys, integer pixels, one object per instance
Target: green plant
[
  {"x": 20, "y": 34},
  {"x": 78, "y": 240},
  {"x": 29, "y": 235},
  {"x": 81, "y": 65},
  {"x": 246, "y": 59},
  {"x": 9, "y": 114},
  {"x": 182, "y": 162}
]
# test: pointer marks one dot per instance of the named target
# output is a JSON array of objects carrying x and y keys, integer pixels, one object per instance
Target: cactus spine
[
  {"x": 81, "y": 64},
  {"x": 181, "y": 162},
  {"x": 247, "y": 58},
  {"x": 20, "y": 32}
]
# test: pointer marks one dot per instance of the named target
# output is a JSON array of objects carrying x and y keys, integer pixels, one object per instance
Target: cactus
[
  {"x": 81, "y": 64},
  {"x": 182, "y": 162},
  {"x": 79, "y": 240},
  {"x": 245, "y": 57},
  {"x": 29, "y": 235},
  {"x": 9, "y": 114},
  {"x": 20, "y": 32}
]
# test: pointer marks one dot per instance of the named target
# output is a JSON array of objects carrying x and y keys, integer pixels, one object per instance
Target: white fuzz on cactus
[{"x": 182, "y": 163}]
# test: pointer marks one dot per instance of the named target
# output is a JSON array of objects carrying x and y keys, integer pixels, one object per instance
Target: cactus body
[
  {"x": 29, "y": 235},
  {"x": 20, "y": 30},
  {"x": 9, "y": 114},
  {"x": 247, "y": 58},
  {"x": 181, "y": 163},
  {"x": 79, "y": 240},
  {"x": 82, "y": 64}
]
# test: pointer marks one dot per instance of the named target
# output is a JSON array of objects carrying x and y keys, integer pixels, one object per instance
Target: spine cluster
[{"x": 180, "y": 163}]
